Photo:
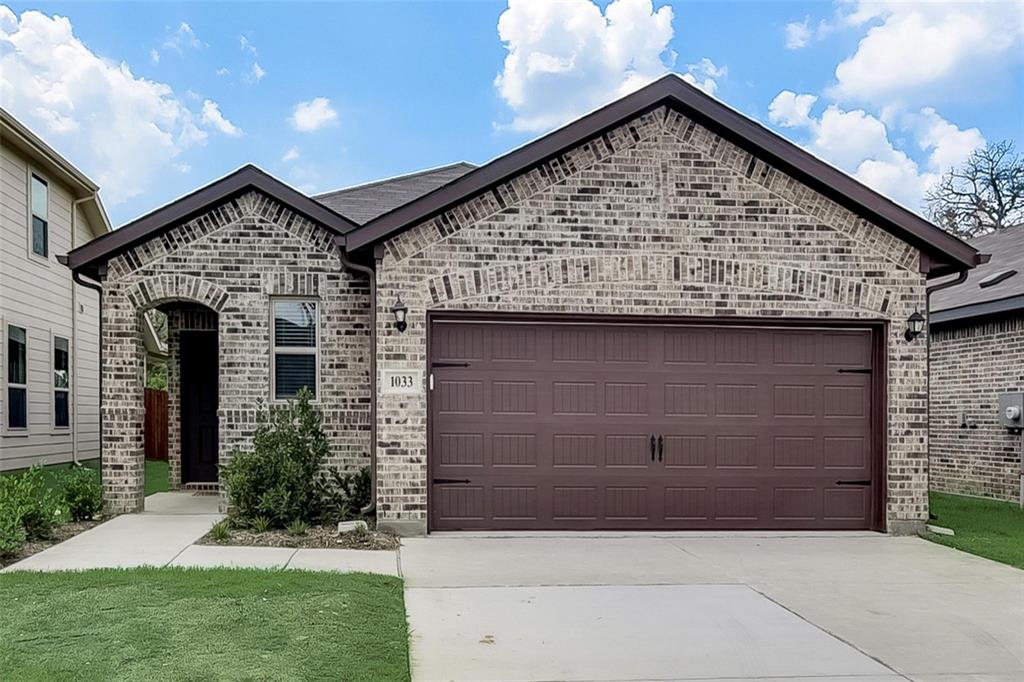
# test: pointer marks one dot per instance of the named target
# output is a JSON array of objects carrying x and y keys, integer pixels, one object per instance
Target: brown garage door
[{"x": 538, "y": 425}]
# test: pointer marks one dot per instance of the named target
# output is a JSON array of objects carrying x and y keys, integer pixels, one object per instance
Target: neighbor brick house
[
  {"x": 661, "y": 315},
  {"x": 977, "y": 353}
]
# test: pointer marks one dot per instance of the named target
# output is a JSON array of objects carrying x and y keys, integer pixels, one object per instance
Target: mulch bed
[
  {"x": 62, "y": 532},
  {"x": 317, "y": 537}
]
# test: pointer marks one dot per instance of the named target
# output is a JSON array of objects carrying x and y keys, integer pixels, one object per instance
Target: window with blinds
[
  {"x": 17, "y": 377},
  {"x": 295, "y": 347}
]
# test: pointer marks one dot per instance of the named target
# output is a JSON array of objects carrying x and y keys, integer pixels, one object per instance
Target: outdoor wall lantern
[
  {"x": 915, "y": 325},
  {"x": 399, "y": 310}
]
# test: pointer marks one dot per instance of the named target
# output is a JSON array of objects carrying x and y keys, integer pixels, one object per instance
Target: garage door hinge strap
[
  {"x": 449, "y": 364},
  {"x": 844, "y": 370}
]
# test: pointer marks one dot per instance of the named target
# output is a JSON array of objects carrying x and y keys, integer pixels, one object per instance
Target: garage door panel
[{"x": 550, "y": 426}]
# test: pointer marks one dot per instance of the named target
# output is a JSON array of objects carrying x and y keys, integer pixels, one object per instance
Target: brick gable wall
[
  {"x": 657, "y": 217},
  {"x": 972, "y": 364},
  {"x": 232, "y": 260}
]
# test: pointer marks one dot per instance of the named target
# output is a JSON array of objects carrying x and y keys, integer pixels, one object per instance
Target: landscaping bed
[
  {"x": 202, "y": 624},
  {"x": 41, "y": 507},
  {"x": 315, "y": 537},
  {"x": 988, "y": 528}
]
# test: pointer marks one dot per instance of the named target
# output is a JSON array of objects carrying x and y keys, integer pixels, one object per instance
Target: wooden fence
[{"x": 156, "y": 424}]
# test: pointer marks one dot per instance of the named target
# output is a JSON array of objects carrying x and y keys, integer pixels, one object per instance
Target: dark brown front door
[
  {"x": 539, "y": 425},
  {"x": 198, "y": 354}
]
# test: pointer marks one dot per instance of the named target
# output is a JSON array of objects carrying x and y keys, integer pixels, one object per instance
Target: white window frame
[
  {"x": 53, "y": 385},
  {"x": 9, "y": 430},
  {"x": 33, "y": 172},
  {"x": 276, "y": 350}
]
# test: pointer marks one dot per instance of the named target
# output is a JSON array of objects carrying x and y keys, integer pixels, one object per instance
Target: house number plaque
[{"x": 401, "y": 381}]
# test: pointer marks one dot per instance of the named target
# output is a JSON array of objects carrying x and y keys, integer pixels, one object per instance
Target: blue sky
[{"x": 156, "y": 99}]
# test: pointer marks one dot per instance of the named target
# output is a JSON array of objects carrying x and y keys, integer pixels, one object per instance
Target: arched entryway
[{"x": 193, "y": 310}]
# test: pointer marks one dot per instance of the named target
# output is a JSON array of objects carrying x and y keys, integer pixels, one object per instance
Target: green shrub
[
  {"x": 341, "y": 495},
  {"x": 277, "y": 479},
  {"x": 260, "y": 524},
  {"x": 82, "y": 492},
  {"x": 297, "y": 527},
  {"x": 31, "y": 503},
  {"x": 12, "y": 533},
  {"x": 221, "y": 531}
]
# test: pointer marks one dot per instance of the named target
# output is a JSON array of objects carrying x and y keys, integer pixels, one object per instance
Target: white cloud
[
  {"x": 703, "y": 75},
  {"x": 914, "y": 46},
  {"x": 246, "y": 46},
  {"x": 183, "y": 37},
  {"x": 122, "y": 129},
  {"x": 313, "y": 115},
  {"x": 257, "y": 73},
  {"x": 859, "y": 143},
  {"x": 798, "y": 33},
  {"x": 949, "y": 145},
  {"x": 566, "y": 58},
  {"x": 222, "y": 71},
  {"x": 791, "y": 110},
  {"x": 212, "y": 117},
  {"x": 154, "y": 54},
  {"x": 291, "y": 155}
]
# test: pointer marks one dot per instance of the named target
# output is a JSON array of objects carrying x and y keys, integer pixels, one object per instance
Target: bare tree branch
[{"x": 984, "y": 195}]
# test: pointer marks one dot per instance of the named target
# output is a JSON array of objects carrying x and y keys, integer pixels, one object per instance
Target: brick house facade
[
  {"x": 977, "y": 354},
  {"x": 659, "y": 207}
]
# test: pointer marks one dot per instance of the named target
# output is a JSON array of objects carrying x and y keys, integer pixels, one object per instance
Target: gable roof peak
[{"x": 943, "y": 253}]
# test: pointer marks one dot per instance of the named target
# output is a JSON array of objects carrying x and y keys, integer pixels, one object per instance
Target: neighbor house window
[
  {"x": 17, "y": 372},
  {"x": 40, "y": 217},
  {"x": 294, "y": 335},
  {"x": 61, "y": 382}
]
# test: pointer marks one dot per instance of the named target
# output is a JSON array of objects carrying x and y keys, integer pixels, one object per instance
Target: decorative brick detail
[
  {"x": 682, "y": 269},
  {"x": 972, "y": 364},
  {"x": 222, "y": 268},
  {"x": 657, "y": 217}
]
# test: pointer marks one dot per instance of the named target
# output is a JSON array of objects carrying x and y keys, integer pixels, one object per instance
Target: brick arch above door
[{"x": 151, "y": 291}]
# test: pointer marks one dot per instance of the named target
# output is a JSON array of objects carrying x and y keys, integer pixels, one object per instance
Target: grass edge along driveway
[
  {"x": 988, "y": 528},
  {"x": 202, "y": 624}
]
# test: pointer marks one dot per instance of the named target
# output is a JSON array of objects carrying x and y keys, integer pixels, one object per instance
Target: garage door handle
[
  {"x": 449, "y": 364},
  {"x": 862, "y": 483},
  {"x": 442, "y": 481},
  {"x": 661, "y": 447},
  {"x": 652, "y": 447}
]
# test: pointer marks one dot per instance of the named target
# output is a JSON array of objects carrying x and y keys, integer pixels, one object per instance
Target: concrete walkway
[
  {"x": 854, "y": 607},
  {"x": 164, "y": 534}
]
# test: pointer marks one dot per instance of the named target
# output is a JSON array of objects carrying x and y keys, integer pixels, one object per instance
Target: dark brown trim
[
  {"x": 880, "y": 423},
  {"x": 997, "y": 307},
  {"x": 88, "y": 256},
  {"x": 944, "y": 251},
  {"x": 879, "y": 376}
]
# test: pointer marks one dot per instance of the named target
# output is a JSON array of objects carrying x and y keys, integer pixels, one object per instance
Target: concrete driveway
[{"x": 852, "y": 607}]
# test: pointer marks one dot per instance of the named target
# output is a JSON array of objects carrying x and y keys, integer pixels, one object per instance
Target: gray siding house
[
  {"x": 977, "y": 354},
  {"x": 661, "y": 315},
  {"x": 49, "y": 325}
]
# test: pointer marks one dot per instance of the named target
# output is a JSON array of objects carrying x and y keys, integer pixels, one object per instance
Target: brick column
[
  {"x": 173, "y": 398},
  {"x": 122, "y": 404}
]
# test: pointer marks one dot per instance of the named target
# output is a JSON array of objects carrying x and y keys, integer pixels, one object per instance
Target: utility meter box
[{"x": 1011, "y": 410}]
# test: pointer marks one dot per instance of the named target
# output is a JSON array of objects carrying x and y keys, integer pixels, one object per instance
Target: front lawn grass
[
  {"x": 157, "y": 480},
  {"x": 988, "y": 528},
  {"x": 52, "y": 473},
  {"x": 202, "y": 624}
]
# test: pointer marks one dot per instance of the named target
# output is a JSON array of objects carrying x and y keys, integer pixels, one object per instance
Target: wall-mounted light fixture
[
  {"x": 400, "y": 310},
  {"x": 915, "y": 325}
]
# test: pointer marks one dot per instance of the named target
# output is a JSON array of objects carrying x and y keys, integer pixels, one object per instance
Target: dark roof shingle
[
  {"x": 1007, "y": 250},
  {"x": 363, "y": 203}
]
